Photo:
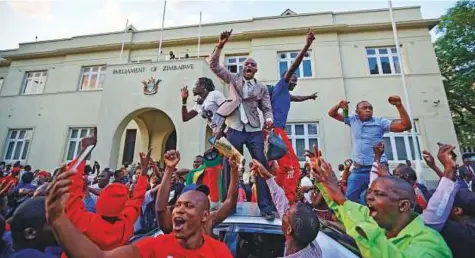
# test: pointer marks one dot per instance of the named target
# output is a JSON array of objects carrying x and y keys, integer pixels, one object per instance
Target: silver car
[{"x": 249, "y": 235}]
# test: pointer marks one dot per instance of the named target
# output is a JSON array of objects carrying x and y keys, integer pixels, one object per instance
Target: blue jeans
[
  {"x": 357, "y": 184},
  {"x": 254, "y": 142}
]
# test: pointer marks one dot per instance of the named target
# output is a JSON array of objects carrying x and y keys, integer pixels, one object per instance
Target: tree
[{"x": 455, "y": 50}]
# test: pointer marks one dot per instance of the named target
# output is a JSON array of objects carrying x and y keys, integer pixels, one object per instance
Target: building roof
[{"x": 260, "y": 27}]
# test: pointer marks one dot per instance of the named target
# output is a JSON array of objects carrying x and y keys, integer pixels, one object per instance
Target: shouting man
[
  {"x": 246, "y": 94},
  {"x": 366, "y": 131},
  {"x": 288, "y": 173},
  {"x": 190, "y": 214}
]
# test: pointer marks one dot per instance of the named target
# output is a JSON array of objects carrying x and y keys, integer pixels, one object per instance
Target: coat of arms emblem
[{"x": 150, "y": 86}]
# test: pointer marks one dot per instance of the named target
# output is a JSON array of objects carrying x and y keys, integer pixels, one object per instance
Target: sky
[{"x": 24, "y": 20}]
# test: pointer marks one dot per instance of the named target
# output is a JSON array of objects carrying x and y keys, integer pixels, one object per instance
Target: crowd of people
[{"x": 83, "y": 211}]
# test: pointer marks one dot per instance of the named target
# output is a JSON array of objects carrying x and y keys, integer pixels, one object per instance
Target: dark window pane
[
  {"x": 9, "y": 153},
  {"x": 370, "y": 51},
  {"x": 385, "y": 65},
  {"x": 388, "y": 149},
  {"x": 282, "y": 67},
  {"x": 74, "y": 133},
  {"x": 242, "y": 59},
  {"x": 401, "y": 148},
  {"x": 83, "y": 133},
  {"x": 18, "y": 147},
  {"x": 300, "y": 149},
  {"x": 71, "y": 149},
  {"x": 231, "y": 60},
  {"x": 25, "y": 150},
  {"x": 232, "y": 68},
  {"x": 13, "y": 134},
  {"x": 312, "y": 129},
  {"x": 312, "y": 142},
  {"x": 393, "y": 50},
  {"x": 383, "y": 50},
  {"x": 307, "y": 68},
  {"x": 299, "y": 130},
  {"x": 22, "y": 135},
  {"x": 373, "y": 65},
  {"x": 411, "y": 145},
  {"x": 288, "y": 129},
  {"x": 293, "y": 55}
]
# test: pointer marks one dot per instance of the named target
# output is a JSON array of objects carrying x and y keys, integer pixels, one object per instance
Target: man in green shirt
[{"x": 387, "y": 226}]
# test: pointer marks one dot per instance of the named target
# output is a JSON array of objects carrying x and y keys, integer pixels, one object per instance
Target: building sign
[
  {"x": 178, "y": 67},
  {"x": 150, "y": 86},
  {"x": 128, "y": 70}
]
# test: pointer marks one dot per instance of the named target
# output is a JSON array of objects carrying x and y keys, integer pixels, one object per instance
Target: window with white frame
[
  {"x": 383, "y": 60},
  {"x": 92, "y": 77},
  {"x": 303, "y": 136},
  {"x": 18, "y": 141},
  {"x": 74, "y": 140},
  {"x": 34, "y": 82},
  {"x": 399, "y": 147},
  {"x": 285, "y": 60},
  {"x": 1, "y": 82},
  {"x": 235, "y": 64}
]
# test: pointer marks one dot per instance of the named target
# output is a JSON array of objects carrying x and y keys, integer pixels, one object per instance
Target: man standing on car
[
  {"x": 288, "y": 173},
  {"x": 246, "y": 94},
  {"x": 366, "y": 131}
]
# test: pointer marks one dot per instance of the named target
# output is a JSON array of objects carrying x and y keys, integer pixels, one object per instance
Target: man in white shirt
[{"x": 208, "y": 101}]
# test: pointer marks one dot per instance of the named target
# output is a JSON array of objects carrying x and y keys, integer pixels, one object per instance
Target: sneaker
[{"x": 268, "y": 215}]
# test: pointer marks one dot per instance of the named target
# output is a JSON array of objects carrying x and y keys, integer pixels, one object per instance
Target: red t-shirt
[{"x": 167, "y": 246}]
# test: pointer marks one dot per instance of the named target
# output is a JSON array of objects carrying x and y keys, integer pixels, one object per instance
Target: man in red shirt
[
  {"x": 113, "y": 223},
  {"x": 187, "y": 240}
]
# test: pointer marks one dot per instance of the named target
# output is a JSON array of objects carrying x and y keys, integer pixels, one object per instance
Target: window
[
  {"x": 74, "y": 139},
  {"x": 235, "y": 64},
  {"x": 1, "y": 82},
  {"x": 92, "y": 77},
  {"x": 303, "y": 137},
  {"x": 17, "y": 144},
  {"x": 399, "y": 147},
  {"x": 34, "y": 82},
  {"x": 285, "y": 59},
  {"x": 383, "y": 60}
]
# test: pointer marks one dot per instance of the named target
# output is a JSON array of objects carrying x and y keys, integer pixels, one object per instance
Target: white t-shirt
[
  {"x": 306, "y": 182},
  {"x": 211, "y": 103}
]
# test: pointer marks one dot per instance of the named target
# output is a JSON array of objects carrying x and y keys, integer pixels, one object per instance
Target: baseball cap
[
  {"x": 465, "y": 200},
  {"x": 194, "y": 187}
]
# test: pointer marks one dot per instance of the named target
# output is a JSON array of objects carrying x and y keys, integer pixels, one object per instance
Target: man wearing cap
[
  {"x": 246, "y": 95},
  {"x": 113, "y": 223},
  {"x": 187, "y": 240},
  {"x": 31, "y": 235}
]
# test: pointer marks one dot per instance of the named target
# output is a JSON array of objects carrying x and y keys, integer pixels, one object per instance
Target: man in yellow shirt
[{"x": 387, "y": 226}]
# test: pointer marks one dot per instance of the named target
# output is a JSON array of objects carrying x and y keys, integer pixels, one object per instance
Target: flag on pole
[
  {"x": 161, "y": 32},
  {"x": 123, "y": 39},
  {"x": 199, "y": 36}
]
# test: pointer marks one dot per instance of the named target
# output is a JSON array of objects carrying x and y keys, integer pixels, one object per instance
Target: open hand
[
  {"x": 314, "y": 96},
  {"x": 445, "y": 158},
  {"x": 428, "y": 158},
  {"x": 327, "y": 178},
  {"x": 314, "y": 157},
  {"x": 378, "y": 149},
  {"x": 258, "y": 169},
  {"x": 395, "y": 101},
  {"x": 57, "y": 195},
  {"x": 184, "y": 94},
  {"x": 224, "y": 37},
  {"x": 145, "y": 161},
  {"x": 171, "y": 158}
]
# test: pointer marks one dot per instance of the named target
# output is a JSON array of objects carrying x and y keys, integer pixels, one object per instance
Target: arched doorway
[{"x": 144, "y": 129}]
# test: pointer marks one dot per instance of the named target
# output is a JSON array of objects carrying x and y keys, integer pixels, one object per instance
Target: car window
[{"x": 338, "y": 234}]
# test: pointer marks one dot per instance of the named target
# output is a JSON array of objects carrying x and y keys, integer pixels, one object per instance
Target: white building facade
[{"x": 53, "y": 92}]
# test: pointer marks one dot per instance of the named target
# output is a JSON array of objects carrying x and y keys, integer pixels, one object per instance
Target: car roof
[{"x": 249, "y": 213}]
